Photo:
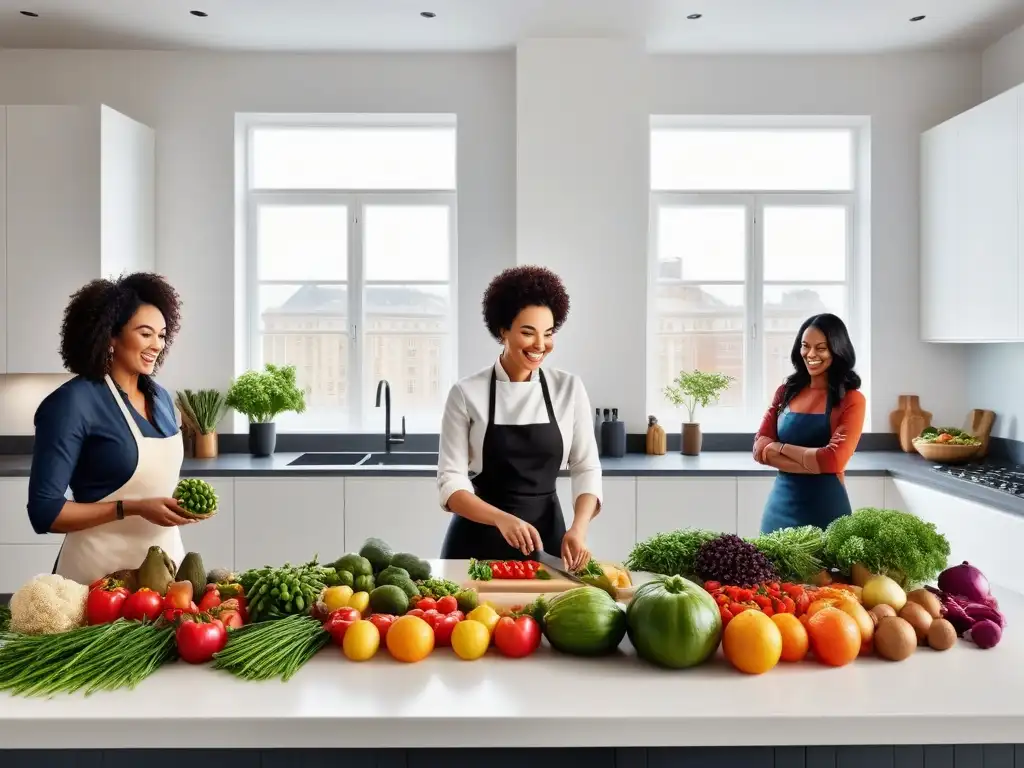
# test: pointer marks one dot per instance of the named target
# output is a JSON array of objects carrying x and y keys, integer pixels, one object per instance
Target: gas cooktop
[{"x": 1007, "y": 478}]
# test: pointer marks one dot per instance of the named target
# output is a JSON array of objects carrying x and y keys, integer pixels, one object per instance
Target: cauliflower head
[{"x": 47, "y": 605}]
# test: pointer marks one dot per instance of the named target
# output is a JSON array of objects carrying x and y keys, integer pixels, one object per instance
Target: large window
[
  {"x": 752, "y": 231},
  {"x": 350, "y": 244}
]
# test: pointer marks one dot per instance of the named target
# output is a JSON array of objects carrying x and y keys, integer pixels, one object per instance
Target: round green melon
[
  {"x": 673, "y": 622},
  {"x": 584, "y": 621}
]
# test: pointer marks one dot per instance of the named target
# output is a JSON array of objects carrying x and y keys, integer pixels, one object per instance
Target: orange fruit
[
  {"x": 410, "y": 639},
  {"x": 794, "y": 636},
  {"x": 835, "y": 637},
  {"x": 752, "y": 642},
  {"x": 820, "y": 603}
]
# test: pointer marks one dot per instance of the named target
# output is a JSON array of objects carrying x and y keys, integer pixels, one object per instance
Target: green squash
[{"x": 673, "y": 623}]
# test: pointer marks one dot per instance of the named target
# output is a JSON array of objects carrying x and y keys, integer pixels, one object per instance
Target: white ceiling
[{"x": 727, "y": 26}]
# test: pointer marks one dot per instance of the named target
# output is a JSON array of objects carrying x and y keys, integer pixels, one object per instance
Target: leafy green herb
[
  {"x": 897, "y": 544},
  {"x": 796, "y": 553},
  {"x": 542, "y": 575},
  {"x": 261, "y": 396},
  {"x": 437, "y": 588},
  {"x": 479, "y": 570},
  {"x": 673, "y": 553},
  {"x": 591, "y": 569}
]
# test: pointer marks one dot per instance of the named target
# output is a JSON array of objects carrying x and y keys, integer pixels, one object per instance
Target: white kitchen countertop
[{"x": 962, "y": 696}]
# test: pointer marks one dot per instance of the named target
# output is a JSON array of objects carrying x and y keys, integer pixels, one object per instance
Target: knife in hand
[{"x": 555, "y": 564}]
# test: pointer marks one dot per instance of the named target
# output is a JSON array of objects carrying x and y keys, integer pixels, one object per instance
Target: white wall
[
  {"x": 190, "y": 99},
  {"x": 995, "y": 371}
]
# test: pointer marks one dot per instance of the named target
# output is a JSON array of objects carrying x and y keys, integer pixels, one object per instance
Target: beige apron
[{"x": 90, "y": 554}]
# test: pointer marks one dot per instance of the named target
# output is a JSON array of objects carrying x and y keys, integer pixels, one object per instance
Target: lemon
[
  {"x": 361, "y": 641},
  {"x": 336, "y": 597},
  {"x": 486, "y": 616},
  {"x": 470, "y": 639},
  {"x": 360, "y": 601}
]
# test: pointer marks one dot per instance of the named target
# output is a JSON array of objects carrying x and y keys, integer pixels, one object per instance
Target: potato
[
  {"x": 895, "y": 639},
  {"x": 881, "y": 611},
  {"x": 941, "y": 636},
  {"x": 919, "y": 618},
  {"x": 926, "y": 600}
]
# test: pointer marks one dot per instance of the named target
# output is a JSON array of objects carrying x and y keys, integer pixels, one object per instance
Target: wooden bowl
[{"x": 944, "y": 453}]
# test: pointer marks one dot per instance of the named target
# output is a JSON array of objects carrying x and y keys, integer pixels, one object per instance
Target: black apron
[{"x": 520, "y": 466}]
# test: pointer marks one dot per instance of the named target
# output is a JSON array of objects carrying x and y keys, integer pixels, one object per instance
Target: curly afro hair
[
  {"x": 516, "y": 288},
  {"x": 100, "y": 309}
]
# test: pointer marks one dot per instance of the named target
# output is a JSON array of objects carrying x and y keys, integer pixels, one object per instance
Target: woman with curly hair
[
  {"x": 110, "y": 433},
  {"x": 510, "y": 428}
]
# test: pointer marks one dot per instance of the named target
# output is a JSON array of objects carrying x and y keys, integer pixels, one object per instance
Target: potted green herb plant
[
  {"x": 690, "y": 390},
  {"x": 201, "y": 412},
  {"x": 261, "y": 396}
]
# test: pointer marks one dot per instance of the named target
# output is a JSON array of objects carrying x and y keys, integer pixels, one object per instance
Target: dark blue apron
[
  {"x": 797, "y": 500},
  {"x": 520, "y": 467}
]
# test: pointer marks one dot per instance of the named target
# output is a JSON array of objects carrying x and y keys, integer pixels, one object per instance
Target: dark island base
[{"x": 966, "y": 756}]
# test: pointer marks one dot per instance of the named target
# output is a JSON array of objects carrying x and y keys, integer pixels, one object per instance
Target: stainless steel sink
[
  {"x": 400, "y": 459},
  {"x": 328, "y": 459}
]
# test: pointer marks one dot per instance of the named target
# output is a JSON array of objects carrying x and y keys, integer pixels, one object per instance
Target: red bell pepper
[
  {"x": 210, "y": 599},
  {"x": 142, "y": 605},
  {"x": 179, "y": 595},
  {"x": 199, "y": 638},
  {"x": 339, "y": 621},
  {"x": 105, "y": 605}
]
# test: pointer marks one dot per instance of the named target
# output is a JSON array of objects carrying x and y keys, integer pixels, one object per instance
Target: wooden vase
[
  {"x": 205, "y": 446},
  {"x": 692, "y": 439}
]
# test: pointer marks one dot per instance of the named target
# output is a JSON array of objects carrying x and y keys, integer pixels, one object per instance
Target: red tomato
[
  {"x": 458, "y": 614},
  {"x": 517, "y": 570},
  {"x": 339, "y": 621},
  {"x": 447, "y": 605},
  {"x": 432, "y": 617},
  {"x": 443, "y": 630},
  {"x": 144, "y": 604},
  {"x": 516, "y": 638},
  {"x": 415, "y": 612},
  {"x": 496, "y": 569},
  {"x": 199, "y": 640},
  {"x": 230, "y": 619},
  {"x": 104, "y": 606},
  {"x": 383, "y": 622},
  {"x": 426, "y": 604},
  {"x": 179, "y": 595}
]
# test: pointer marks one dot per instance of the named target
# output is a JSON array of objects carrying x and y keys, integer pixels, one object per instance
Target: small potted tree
[
  {"x": 690, "y": 390},
  {"x": 261, "y": 396},
  {"x": 201, "y": 412}
]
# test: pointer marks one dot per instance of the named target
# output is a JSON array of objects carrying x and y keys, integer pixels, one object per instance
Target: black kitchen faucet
[{"x": 388, "y": 439}]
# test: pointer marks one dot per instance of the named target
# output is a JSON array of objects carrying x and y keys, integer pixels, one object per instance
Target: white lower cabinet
[
  {"x": 986, "y": 537},
  {"x": 214, "y": 539},
  {"x": 612, "y": 533},
  {"x": 669, "y": 503},
  {"x": 404, "y": 511},
  {"x": 23, "y": 552},
  {"x": 288, "y": 520}
]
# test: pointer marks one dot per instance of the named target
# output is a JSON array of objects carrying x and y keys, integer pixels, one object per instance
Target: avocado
[
  {"x": 378, "y": 552},
  {"x": 344, "y": 579},
  {"x": 418, "y": 569},
  {"x": 363, "y": 583},
  {"x": 389, "y": 599},
  {"x": 391, "y": 574},
  {"x": 191, "y": 569},
  {"x": 408, "y": 586},
  {"x": 468, "y": 599},
  {"x": 357, "y": 565}
]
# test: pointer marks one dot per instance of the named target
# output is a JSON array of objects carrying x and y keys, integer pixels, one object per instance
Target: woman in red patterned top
[{"x": 812, "y": 428}]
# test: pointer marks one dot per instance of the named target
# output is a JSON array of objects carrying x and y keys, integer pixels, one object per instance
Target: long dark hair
[{"x": 841, "y": 376}]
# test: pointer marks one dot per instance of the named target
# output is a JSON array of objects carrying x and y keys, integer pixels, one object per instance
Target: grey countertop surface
[{"x": 708, "y": 464}]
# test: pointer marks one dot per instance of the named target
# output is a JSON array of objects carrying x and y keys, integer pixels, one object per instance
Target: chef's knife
[{"x": 555, "y": 564}]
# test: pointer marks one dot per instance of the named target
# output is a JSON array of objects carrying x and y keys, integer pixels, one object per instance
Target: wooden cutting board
[
  {"x": 979, "y": 423},
  {"x": 522, "y": 586}
]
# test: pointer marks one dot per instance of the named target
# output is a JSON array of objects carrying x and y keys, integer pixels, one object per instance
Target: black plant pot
[{"x": 262, "y": 438}]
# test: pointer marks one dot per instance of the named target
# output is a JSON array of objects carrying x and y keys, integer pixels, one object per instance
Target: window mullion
[
  {"x": 755, "y": 308},
  {"x": 357, "y": 333}
]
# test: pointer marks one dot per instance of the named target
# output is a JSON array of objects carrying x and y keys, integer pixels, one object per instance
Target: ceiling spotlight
[
  {"x": 695, "y": 16},
  {"x": 427, "y": 14},
  {"x": 30, "y": 14},
  {"x": 917, "y": 18},
  {"x": 200, "y": 14}
]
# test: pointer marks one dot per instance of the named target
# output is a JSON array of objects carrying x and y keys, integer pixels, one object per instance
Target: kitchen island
[{"x": 962, "y": 707}]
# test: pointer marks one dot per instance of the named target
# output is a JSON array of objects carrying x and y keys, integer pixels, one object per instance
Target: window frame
[
  {"x": 355, "y": 202},
  {"x": 755, "y": 202}
]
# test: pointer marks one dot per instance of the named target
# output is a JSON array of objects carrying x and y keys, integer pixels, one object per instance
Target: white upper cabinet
[
  {"x": 971, "y": 215},
  {"x": 79, "y": 205}
]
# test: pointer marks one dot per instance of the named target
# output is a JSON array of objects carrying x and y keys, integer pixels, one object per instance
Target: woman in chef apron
[
  {"x": 510, "y": 428},
  {"x": 812, "y": 428},
  {"x": 110, "y": 434}
]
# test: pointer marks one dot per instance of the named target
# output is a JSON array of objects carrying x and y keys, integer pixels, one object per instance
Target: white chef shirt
[{"x": 516, "y": 403}]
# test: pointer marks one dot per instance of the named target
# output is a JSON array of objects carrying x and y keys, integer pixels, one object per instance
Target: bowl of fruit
[{"x": 947, "y": 445}]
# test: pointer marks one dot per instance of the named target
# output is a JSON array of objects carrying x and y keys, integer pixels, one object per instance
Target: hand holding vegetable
[
  {"x": 575, "y": 554},
  {"x": 165, "y": 512}
]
